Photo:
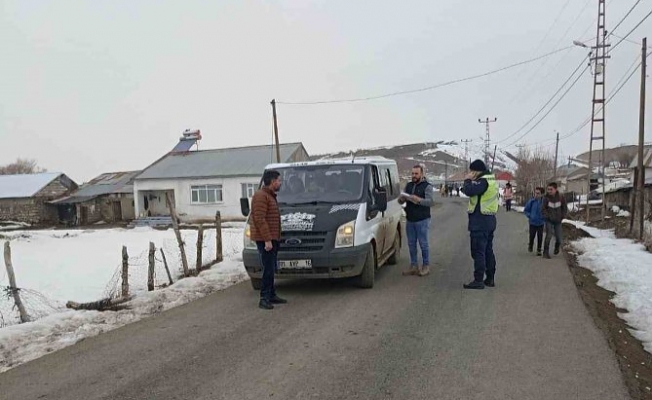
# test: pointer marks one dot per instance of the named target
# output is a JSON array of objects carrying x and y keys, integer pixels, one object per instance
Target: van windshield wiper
[{"x": 303, "y": 203}]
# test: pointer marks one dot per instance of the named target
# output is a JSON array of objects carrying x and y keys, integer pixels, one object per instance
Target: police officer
[{"x": 482, "y": 189}]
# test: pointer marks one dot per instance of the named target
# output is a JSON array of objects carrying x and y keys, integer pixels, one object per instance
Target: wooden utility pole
[
  {"x": 487, "y": 140},
  {"x": 556, "y": 156},
  {"x": 177, "y": 233},
  {"x": 278, "y": 147},
  {"x": 219, "y": 257},
  {"x": 152, "y": 266},
  {"x": 494, "y": 159},
  {"x": 12, "y": 285},
  {"x": 598, "y": 103},
  {"x": 200, "y": 247},
  {"x": 640, "y": 183},
  {"x": 125, "y": 272}
]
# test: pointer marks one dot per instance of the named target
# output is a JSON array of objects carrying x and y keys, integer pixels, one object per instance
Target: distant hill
[
  {"x": 622, "y": 155},
  {"x": 438, "y": 157}
]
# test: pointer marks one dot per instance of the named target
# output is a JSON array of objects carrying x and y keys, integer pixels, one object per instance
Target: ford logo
[{"x": 293, "y": 241}]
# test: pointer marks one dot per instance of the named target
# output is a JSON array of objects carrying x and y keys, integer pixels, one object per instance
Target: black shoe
[
  {"x": 557, "y": 249},
  {"x": 489, "y": 282},
  {"x": 546, "y": 254},
  {"x": 474, "y": 285},
  {"x": 529, "y": 249},
  {"x": 278, "y": 300},
  {"x": 539, "y": 253},
  {"x": 265, "y": 305}
]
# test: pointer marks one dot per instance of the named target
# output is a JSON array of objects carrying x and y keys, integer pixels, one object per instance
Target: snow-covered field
[
  {"x": 54, "y": 266},
  {"x": 623, "y": 267}
]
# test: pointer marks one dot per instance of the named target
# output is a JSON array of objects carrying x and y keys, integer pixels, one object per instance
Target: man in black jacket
[
  {"x": 418, "y": 198},
  {"x": 554, "y": 211}
]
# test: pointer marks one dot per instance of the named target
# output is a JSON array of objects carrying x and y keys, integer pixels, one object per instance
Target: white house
[{"x": 205, "y": 181}]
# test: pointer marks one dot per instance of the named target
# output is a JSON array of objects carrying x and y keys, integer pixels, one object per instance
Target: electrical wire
[
  {"x": 427, "y": 88},
  {"x": 546, "y": 104},
  {"x": 630, "y": 32}
]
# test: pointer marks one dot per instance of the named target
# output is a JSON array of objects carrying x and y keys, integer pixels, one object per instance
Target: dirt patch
[{"x": 635, "y": 363}]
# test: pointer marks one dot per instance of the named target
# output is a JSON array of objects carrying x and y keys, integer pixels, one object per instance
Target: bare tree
[
  {"x": 21, "y": 166},
  {"x": 535, "y": 168}
]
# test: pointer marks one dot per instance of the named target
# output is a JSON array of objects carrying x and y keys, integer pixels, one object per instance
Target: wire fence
[{"x": 38, "y": 305}]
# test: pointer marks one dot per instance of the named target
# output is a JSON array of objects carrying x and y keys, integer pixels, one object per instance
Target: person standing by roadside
[
  {"x": 554, "y": 211},
  {"x": 508, "y": 195},
  {"x": 482, "y": 189},
  {"x": 265, "y": 223},
  {"x": 533, "y": 212},
  {"x": 418, "y": 199}
]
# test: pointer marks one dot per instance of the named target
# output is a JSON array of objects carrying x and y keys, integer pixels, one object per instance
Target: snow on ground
[
  {"x": 620, "y": 213},
  {"x": 578, "y": 205},
  {"x": 78, "y": 265},
  {"x": 518, "y": 208},
  {"x": 623, "y": 267}
]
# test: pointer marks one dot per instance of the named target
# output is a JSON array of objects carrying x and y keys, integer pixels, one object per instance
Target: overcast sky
[{"x": 98, "y": 86}]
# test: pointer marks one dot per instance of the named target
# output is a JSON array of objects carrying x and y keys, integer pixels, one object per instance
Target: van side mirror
[
  {"x": 244, "y": 206},
  {"x": 380, "y": 196}
]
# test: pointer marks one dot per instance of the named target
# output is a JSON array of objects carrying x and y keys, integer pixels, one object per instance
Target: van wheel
[
  {"x": 256, "y": 283},
  {"x": 393, "y": 259},
  {"x": 366, "y": 279}
]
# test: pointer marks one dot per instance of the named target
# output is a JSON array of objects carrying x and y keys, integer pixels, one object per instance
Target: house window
[
  {"x": 206, "y": 194},
  {"x": 248, "y": 190}
]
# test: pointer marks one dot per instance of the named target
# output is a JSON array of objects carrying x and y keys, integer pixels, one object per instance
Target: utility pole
[
  {"x": 641, "y": 144},
  {"x": 599, "y": 92},
  {"x": 494, "y": 159},
  {"x": 487, "y": 140},
  {"x": 556, "y": 156},
  {"x": 446, "y": 173},
  {"x": 466, "y": 151},
  {"x": 278, "y": 147}
]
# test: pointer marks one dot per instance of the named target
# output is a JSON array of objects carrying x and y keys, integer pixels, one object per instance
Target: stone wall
[{"x": 33, "y": 211}]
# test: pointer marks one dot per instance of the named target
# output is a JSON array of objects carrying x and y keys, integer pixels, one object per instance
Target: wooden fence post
[
  {"x": 175, "y": 226},
  {"x": 167, "y": 269},
  {"x": 125, "y": 272},
  {"x": 152, "y": 264},
  {"x": 218, "y": 237},
  {"x": 12, "y": 284},
  {"x": 200, "y": 247}
]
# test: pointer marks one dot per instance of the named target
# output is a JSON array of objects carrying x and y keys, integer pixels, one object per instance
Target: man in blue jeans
[{"x": 418, "y": 198}]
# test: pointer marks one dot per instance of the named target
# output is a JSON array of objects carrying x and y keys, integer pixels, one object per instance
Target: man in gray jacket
[
  {"x": 418, "y": 198},
  {"x": 554, "y": 211}
]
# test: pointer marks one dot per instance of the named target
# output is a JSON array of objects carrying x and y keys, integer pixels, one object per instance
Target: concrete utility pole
[
  {"x": 556, "y": 156},
  {"x": 599, "y": 92},
  {"x": 487, "y": 140},
  {"x": 641, "y": 144},
  {"x": 278, "y": 147},
  {"x": 466, "y": 151}
]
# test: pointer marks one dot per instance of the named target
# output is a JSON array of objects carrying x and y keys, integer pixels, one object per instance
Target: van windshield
[{"x": 321, "y": 183}]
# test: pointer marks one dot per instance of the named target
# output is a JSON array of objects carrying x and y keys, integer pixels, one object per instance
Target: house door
[
  {"x": 117, "y": 211},
  {"x": 83, "y": 218}
]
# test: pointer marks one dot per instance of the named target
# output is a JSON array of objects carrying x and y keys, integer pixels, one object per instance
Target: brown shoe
[
  {"x": 425, "y": 270},
  {"x": 411, "y": 271}
]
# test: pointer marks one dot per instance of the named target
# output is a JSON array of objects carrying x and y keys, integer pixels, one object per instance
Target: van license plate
[{"x": 295, "y": 264}]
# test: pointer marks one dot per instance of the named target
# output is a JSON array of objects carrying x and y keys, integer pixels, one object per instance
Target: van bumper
[{"x": 336, "y": 263}]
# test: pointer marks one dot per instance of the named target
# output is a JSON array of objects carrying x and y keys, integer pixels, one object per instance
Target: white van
[{"x": 339, "y": 219}]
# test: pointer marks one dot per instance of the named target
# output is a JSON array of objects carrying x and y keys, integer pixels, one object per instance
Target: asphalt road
[{"x": 408, "y": 338}]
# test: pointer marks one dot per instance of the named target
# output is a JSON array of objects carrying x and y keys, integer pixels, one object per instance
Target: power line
[
  {"x": 437, "y": 86},
  {"x": 546, "y": 104},
  {"x": 552, "y": 108},
  {"x": 631, "y": 31},
  {"x": 626, "y": 15}
]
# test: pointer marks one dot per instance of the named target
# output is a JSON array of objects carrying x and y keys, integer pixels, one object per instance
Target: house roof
[
  {"x": 647, "y": 159},
  {"x": 504, "y": 176},
  {"x": 109, "y": 183},
  {"x": 240, "y": 161},
  {"x": 21, "y": 186}
]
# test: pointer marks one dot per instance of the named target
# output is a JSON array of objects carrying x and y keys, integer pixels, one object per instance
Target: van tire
[
  {"x": 366, "y": 279},
  {"x": 256, "y": 283},
  {"x": 393, "y": 259}
]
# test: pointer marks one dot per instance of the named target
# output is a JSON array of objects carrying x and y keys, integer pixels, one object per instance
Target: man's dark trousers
[
  {"x": 269, "y": 260},
  {"x": 536, "y": 232},
  {"x": 482, "y": 251},
  {"x": 553, "y": 227}
]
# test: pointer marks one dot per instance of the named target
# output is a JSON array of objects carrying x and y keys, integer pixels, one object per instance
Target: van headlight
[
  {"x": 248, "y": 243},
  {"x": 345, "y": 234}
]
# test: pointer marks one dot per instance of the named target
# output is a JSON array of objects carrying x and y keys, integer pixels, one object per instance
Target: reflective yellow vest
[{"x": 488, "y": 200}]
